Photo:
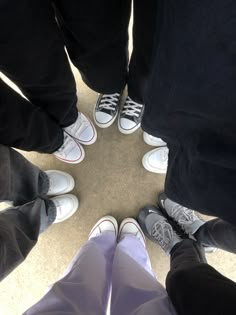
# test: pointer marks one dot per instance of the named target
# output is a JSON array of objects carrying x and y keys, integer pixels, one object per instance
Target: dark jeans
[
  {"x": 26, "y": 186},
  {"x": 195, "y": 287},
  {"x": 96, "y": 37},
  {"x": 32, "y": 55}
]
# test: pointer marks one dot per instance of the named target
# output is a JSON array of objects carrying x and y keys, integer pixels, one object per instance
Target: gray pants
[{"x": 26, "y": 186}]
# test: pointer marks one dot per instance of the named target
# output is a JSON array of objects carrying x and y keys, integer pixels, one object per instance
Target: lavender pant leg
[
  {"x": 85, "y": 287},
  {"x": 135, "y": 290}
]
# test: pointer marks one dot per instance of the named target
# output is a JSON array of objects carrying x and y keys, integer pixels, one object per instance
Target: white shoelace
[
  {"x": 67, "y": 146},
  {"x": 163, "y": 233},
  {"x": 109, "y": 101},
  {"x": 132, "y": 108},
  {"x": 183, "y": 215},
  {"x": 164, "y": 154},
  {"x": 79, "y": 126}
]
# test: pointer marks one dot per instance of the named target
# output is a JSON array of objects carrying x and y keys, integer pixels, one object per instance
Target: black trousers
[
  {"x": 26, "y": 186},
  {"x": 195, "y": 287},
  {"x": 32, "y": 55},
  {"x": 96, "y": 37}
]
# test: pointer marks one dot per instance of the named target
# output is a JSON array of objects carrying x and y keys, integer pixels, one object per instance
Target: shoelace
[
  {"x": 109, "y": 101},
  {"x": 163, "y": 233},
  {"x": 183, "y": 215},
  {"x": 132, "y": 108},
  {"x": 164, "y": 154}
]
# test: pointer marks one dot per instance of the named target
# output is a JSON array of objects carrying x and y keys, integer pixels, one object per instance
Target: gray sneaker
[
  {"x": 130, "y": 116},
  {"x": 156, "y": 227},
  {"x": 106, "y": 109},
  {"x": 184, "y": 217}
]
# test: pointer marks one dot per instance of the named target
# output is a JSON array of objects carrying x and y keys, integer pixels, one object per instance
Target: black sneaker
[
  {"x": 130, "y": 116},
  {"x": 106, "y": 109},
  {"x": 157, "y": 228}
]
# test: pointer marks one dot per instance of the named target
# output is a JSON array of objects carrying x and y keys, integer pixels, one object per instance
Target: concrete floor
[{"x": 111, "y": 180}]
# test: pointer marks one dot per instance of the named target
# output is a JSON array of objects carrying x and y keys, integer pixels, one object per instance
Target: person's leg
[
  {"x": 20, "y": 181},
  {"x": 96, "y": 37},
  {"x": 135, "y": 289},
  {"x": 144, "y": 30},
  {"x": 214, "y": 233},
  {"x": 195, "y": 287},
  {"x": 218, "y": 233},
  {"x": 85, "y": 287},
  {"x": 25, "y": 126},
  {"x": 19, "y": 231},
  {"x": 33, "y": 57}
]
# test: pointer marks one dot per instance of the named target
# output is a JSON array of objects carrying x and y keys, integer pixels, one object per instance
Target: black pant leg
[
  {"x": 32, "y": 55},
  {"x": 19, "y": 231},
  {"x": 196, "y": 288},
  {"x": 96, "y": 37},
  {"x": 24, "y": 125},
  {"x": 219, "y": 234},
  {"x": 145, "y": 28}
]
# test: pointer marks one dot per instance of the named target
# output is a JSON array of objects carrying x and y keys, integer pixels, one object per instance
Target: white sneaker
[
  {"x": 105, "y": 224},
  {"x": 82, "y": 130},
  {"x": 71, "y": 151},
  {"x": 153, "y": 141},
  {"x": 130, "y": 116},
  {"x": 131, "y": 226},
  {"x": 66, "y": 206},
  {"x": 156, "y": 160},
  {"x": 59, "y": 182},
  {"x": 106, "y": 109}
]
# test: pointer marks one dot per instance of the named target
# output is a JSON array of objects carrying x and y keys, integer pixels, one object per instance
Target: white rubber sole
[
  {"x": 127, "y": 131},
  {"x": 133, "y": 231},
  {"x": 149, "y": 167},
  {"x": 158, "y": 143},
  {"x": 106, "y": 218},
  {"x": 71, "y": 182},
  {"x": 75, "y": 201}
]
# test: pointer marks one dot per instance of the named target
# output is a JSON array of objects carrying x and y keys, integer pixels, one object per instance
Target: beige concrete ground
[{"x": 111, "y": 180}]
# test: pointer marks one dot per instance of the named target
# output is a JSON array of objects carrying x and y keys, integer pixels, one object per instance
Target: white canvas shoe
[
  {"x": 82, "y": 130},
  {"x": 66, "y": 206},
  {"x": 153, "y": 141},
  {"x": 131, "y": 226},
  {"x": 71, "y": 151},
  {"x": 59, "y": 182},
  {"x": 105, "y": 224},
  {"x": 156, "y": 160}
]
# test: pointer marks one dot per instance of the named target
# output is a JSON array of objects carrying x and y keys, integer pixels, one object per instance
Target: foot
[
  {"x": 184, "y": 217},
  {"x": 71, "y": 151},
  {"x": 82, "y": 130},
  {"x": 66, "y": 206},
  {"x": 106, "y": 109},
  {"x": 130, "y": 116},
  {"x": 59, "y": 182},
  {"x": 131, "y": 226},
  {"x": 156, "y": 160},
  {"x": 153, "y": 141},
  {"x": 105, "y": 224},
  {"x": 156, "y": 227}
]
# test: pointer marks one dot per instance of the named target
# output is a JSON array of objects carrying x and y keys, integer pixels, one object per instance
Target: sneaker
[
  {"x": 106, "y": 109},
  {"x": 71, "y": 151},
  {"x": 131, "y": 226},
  {"x": 156, "y": 160},
  {"x": 184, "y": 217},
  {"x": 153, "y": 141},
  {"x": 130, "y": 116},
  {"x": 82, "y": 130},
  {"x": 105, "y": 224},
  {"x": 66, "y": 206},
  {"x": 156, "y": 227},
  {"x": 59, "y": 182}
]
